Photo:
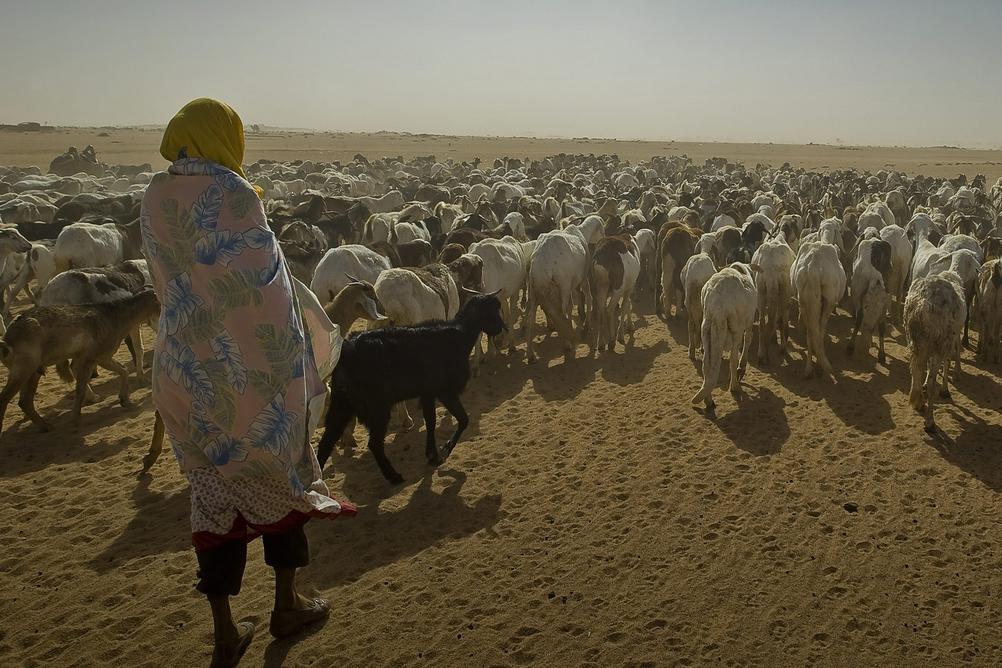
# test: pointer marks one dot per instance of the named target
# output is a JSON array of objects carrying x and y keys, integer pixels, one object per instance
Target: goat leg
[
  {"x": 377, "y": 432},
  {"x": 123, "y": 375},
  {"x": 851, "y": 348},
  {"x": 431, "y": 450},
  {"x": 881, "y": 332},
  {"x": 27, "y": 401},
  {"x": 455, "y": 407},
  {"x": 339, "y": 414},
  {"x": 406, "y": 422},
  {"x": 82, "y": 371},
  {"x": 134, "y": 341},
  {"x": 9, "y": 390},
  {"x": 156, "y": 443}
]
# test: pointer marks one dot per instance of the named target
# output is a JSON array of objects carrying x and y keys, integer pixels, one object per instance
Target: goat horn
[
  {"x": 353, "y": 279},
  {"x": 472, "y": 292}
]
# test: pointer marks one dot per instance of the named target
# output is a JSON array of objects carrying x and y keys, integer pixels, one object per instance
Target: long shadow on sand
[
  {"x": 859, "y": 403},
  {"x": 161, "y": 524},
  {"x": 566, "y": 380},
  {"x": 983, "y": 387},
  {"x": 976, "y": 449},
  {"x": 25, "y": 449},
  {"x": 759, "y": 426},
  {"x": 347, "y": 549}
]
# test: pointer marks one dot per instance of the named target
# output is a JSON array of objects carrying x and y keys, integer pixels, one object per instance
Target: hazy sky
[{"x": 911, "y": 72}]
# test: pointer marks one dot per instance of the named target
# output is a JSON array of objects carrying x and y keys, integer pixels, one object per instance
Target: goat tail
[{"x": 63, "y": 369}]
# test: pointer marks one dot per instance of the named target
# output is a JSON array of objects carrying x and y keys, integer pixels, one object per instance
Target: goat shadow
[
  {"x": 979, "y": 384},
  {"x": 758, "y": 425},
  {"x": 378, "y": 538},
  {"x": 975, "y": 449},
  {"x": 25, "y": 449},
  {"x": 858, "y": 403},
  {"x": 161, "y": 524}
]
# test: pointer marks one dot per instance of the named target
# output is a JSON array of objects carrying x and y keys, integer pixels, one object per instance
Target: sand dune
[{"x": 591, "y": 517}]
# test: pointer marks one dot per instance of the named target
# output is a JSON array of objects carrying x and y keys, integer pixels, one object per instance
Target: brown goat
[
  {"x": 674, "y": 250},
  {"x": 88, "y": 334}
]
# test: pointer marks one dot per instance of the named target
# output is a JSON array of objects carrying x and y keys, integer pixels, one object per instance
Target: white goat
[
  {"x": 819, "y": 280},
  {"x": 989, "y": 310},
  {"x": 331, "y": 275},
  {"x": 771, "y": 263},
  {"x": 82, "y": 245},
  {"x": 558, "y": 277},
  {"x": 729, "y": 299},
  {"x": 868, "y": 295},
  {"x": 697, "y": 271}
]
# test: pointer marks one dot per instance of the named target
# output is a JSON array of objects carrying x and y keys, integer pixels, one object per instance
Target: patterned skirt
[{"x": 244, "y": 508}]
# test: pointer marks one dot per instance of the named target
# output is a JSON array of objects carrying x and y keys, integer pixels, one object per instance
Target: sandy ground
[
  {"x": 136, "y": 146},
  {"x": 591, "y": 517}
]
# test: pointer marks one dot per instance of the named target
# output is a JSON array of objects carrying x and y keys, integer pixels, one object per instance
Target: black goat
[{"x": 382, "y": 367}]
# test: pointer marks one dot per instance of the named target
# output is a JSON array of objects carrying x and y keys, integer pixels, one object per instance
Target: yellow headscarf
[{"x": 209, "y": 129}]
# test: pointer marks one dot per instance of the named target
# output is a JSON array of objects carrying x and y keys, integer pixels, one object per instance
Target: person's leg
[
  {"x": 220, "y": 572},
  {"x": 285, "y": 553}
]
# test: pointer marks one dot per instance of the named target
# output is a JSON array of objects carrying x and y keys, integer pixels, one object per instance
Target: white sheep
[
  {"x": 934, "y": 318},
  {"x": 966, "y": 264}
]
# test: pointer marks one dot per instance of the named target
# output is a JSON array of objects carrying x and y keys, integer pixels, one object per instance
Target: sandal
[
  {"x": 285, "y": 623},
  {"x": 228, "y": 654}
]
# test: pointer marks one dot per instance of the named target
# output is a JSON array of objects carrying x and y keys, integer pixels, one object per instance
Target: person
[{"x": 234, "y": 373}]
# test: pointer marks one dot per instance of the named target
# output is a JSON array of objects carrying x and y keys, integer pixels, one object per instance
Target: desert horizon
[{"x": 132, "y": 145}]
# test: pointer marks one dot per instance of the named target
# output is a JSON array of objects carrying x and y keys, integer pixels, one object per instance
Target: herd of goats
[{"x": 408, "y": 242}]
